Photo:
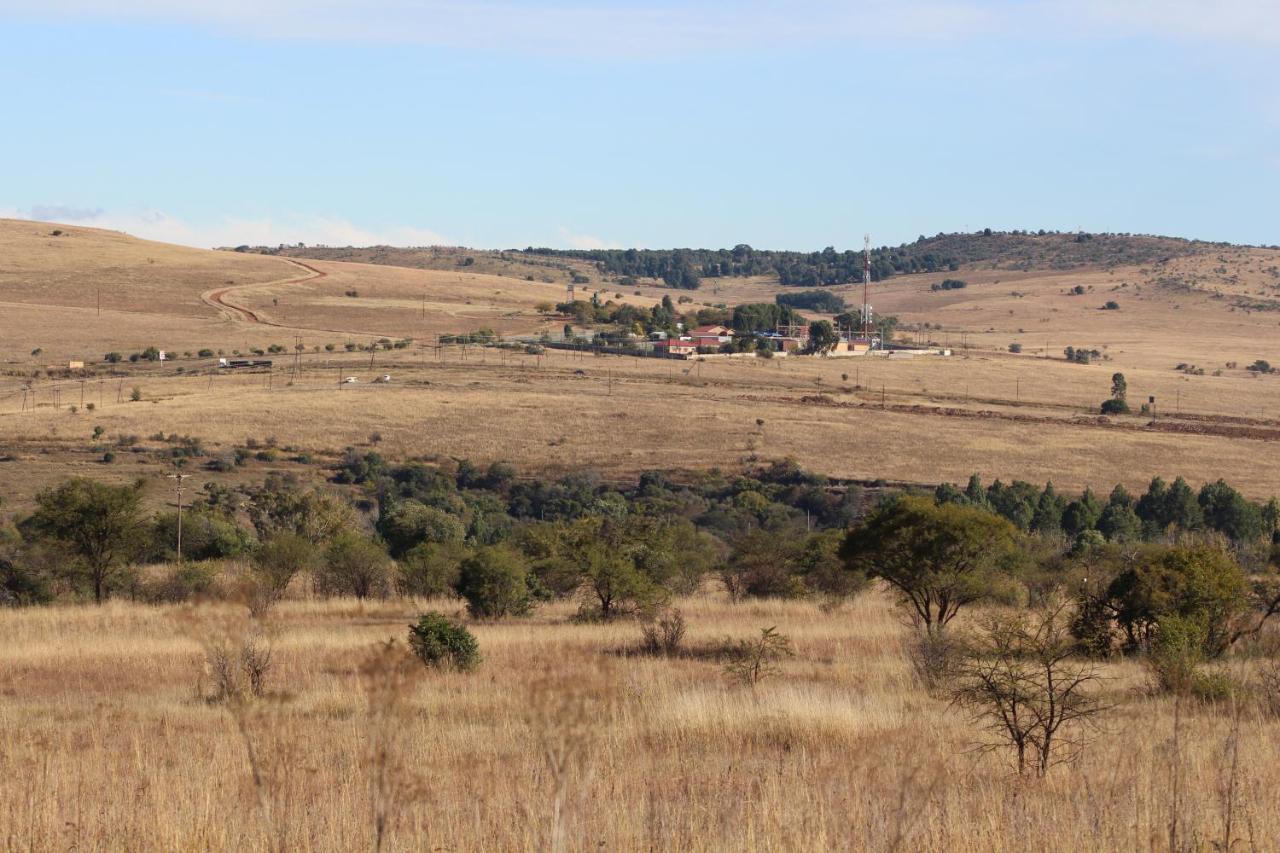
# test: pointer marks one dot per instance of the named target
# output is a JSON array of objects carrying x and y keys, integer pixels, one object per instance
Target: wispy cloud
[
  {"x": 64, "y": 213},
  {"x": 583, "y": 241},
  {"x": 154, "y": 224},
  {"x": 642, "y": 28}
]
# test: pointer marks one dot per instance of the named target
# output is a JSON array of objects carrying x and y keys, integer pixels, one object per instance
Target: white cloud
[
  {"x": 1230, "y": 21},
  {"x": 233, "y": 231},
  {"x": 638, "y": 28},
  {"x": 584, "y": 241},
  {"x": 648, "y": 27}
]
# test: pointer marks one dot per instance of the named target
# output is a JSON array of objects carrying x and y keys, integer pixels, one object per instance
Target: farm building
[
  {"x": 676, "y": 346},
  {"x": 711, "y": 336}
]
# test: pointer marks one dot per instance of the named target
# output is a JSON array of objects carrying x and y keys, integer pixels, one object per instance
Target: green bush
[
  {"x": 495, "y": 583},
  {"x": 22, "y": 584},
  {"x": 442, "y": 643},
  {"x": 1115, "y": 407},
  {"x": 431, "y": 570},
  {"x": 353, "y": 565},
  {"x": 179, "y": 583}
]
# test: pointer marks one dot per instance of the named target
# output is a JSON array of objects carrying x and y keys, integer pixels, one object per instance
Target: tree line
[{"x": 504, "y": 543}]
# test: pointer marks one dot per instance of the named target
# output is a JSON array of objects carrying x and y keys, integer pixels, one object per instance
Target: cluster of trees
[
  {"x": 939, "y": 253},
  {"x": 823, "y": 301},
  {"x": 764, "y": 317},
  {"x": 500, "y": 542},
  {"x": 1081, "y": 355},
  {"x": 686, "y": 267},
  {"x": 949, "y": 284},
  {"x": 632, "y": 318},
  {"x": 1183, "y": 601},
  {"x": 1162, "y": 512},
  {"x": 1199, "y": 566}
]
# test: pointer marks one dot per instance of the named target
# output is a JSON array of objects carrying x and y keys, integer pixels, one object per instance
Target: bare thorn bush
[
  {"x": 663, "y": 635},
  {"x": 1019, "y": 679}
]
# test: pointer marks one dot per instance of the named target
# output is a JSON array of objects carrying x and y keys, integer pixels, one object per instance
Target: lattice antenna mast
[{"x": 866, "y": 287}]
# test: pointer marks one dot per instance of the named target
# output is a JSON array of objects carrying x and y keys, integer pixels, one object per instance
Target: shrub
[
  {"x": 442, "y": 643},
  {"x": 664, "y": 634},
  {"x": 113, "y": 358},
  {"x": 22, "y": 584},
  {"x": 1015, "y": 347},
  {"x": 278, "y": 561},
  {"x": 495, "y": 583},
  {"x": 1115, "y": 407},
  {"x": 1176, "y": 660},
  {"x": 179, "y": 583},
  {"x": 752, "y": 661},
  {"x": 934, "y": 660},
  {"x": 409, "y": 523},
  {"x": 354, "y": 565},
  {"x": 431, "y": 569},
  {"x": 136, "y": 394},
  {"x": 1111, "y": 305}
]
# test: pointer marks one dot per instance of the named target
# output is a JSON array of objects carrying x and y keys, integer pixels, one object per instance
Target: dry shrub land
[
  {"x": 107, "y": 744},
  {"x": 721, "y": 605}
]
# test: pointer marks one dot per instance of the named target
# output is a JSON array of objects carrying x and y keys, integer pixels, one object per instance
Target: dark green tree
[
  {"x": 938, "y": 558},
  {"x": 98, "y": 525}
]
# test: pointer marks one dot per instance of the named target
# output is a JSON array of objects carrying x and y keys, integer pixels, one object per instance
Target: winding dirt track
[{"x": 217, "y": 298}]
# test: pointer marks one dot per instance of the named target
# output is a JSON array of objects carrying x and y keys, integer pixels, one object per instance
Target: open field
[
  {"x": 939, "y": 419},
  {"x": 922, "y": 420},
  {"x": 106, "y": 740}
]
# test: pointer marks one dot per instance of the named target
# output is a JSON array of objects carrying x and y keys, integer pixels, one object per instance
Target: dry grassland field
[
  {"x": 110, "y": 746},
  {"x": 566, "y": 738}
]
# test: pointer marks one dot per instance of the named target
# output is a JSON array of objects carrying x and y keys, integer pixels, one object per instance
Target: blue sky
[{"x": 703, "y": 123}]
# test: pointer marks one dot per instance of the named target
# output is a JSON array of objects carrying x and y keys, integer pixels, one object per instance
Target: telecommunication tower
[{"x": 866, "y": 287}]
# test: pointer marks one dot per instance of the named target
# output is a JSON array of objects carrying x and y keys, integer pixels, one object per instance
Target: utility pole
[{"x": 178, "y": 487}]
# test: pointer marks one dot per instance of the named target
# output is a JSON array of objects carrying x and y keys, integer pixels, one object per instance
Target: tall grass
[{"x": 558, "y": 742}]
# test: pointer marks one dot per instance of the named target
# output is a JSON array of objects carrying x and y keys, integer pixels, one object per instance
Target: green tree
[
  {"x": 495, "y": 583},
  {"x": 98, "y": 525},
  {"x": 409, "y": 523},
  {"x": 1049, "y": 511},
  {"x": 1227, "y": 511},
  {"x": 1119, "y": 386},
  {"x": 822, "y": 337},
  {"x": 431, "y": 569},
  {"x": 1119, "y": 523},
  {"x": 280, "y": 559},
  {"x": 1081, "y": 514},
  {"x": 354, "y": 565},
  {"x": 315, "y": 515},
  {"x": 938, "y": 558},
  {"x": 1202, "y": 584}
]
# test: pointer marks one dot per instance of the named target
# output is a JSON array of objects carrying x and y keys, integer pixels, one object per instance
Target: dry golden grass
[
  {"x": 945, "y": 418},
  {"x": 107, "y": 745}
]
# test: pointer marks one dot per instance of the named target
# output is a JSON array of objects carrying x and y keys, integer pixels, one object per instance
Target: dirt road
[{"x": 217, "y": 298}]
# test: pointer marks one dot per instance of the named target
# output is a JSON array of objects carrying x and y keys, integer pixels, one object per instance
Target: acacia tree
[
  {"x": 98, "y": 524},
  {"x": 1019, "y": 679},
  {"x": 938, "y": 557}
]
